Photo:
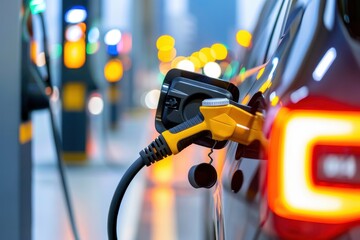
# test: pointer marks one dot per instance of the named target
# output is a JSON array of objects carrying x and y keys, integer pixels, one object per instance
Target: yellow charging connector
[{"x": 223, "y": 120}]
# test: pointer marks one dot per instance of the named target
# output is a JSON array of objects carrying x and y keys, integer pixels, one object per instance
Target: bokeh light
[
  {"x": 186, "y": 65},
  {"x": 112, "y": 37},
  {"x": 93, "y": 35},
  {"x": 152, "y": 99},
  {"x": 96, "y": 104},
  {"x": 167, "y": 56},
  {"x": 209, "y": 53},
  {"x": 243, "y": 38},
  {"x": 76, "y": 14},
  {"x": 165, "y": 43},
  {"x": 212, "y": 69},
  {"x": 220, "y": 51},
  {"x": 113, "y": 70},
  {"x": 73, "y": 33}
]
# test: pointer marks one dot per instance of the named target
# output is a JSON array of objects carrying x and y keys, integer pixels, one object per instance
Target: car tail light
[{"x": 314, "y": 165}]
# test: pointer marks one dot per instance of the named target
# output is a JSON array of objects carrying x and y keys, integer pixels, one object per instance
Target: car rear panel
[{"x": 308, "y": 185}]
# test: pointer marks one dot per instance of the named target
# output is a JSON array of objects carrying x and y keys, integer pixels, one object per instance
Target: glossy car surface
[{"x": 306, "y": 183}]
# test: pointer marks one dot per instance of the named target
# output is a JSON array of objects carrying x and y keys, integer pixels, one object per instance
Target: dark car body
[{"x": 305, "y": 185}]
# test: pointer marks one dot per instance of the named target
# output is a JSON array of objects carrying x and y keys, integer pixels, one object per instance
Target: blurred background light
[
  {"x": 195, "y": 61},
  {"x": 167, "y": 56},
  {"x": 165, "y": 43},
  {"x": 73, "y": 33},
  {"x": 76, "y": 14},
  {"x": 219, "y": 50},
  {"x": 113, "y": 70},
  {"x": 112, "y": 37},
  {"x": 112, "y": 50},
  {"x": 212, "y": 69},
  {"x": 243, "y": 38},
  {"x": 96, "y": 104},
  {"x": 209, "y": 53},
  {"x": 40, "y": 60},
  {"x": 93, "y": 35},
  {"x": 37, "y": 6},
  {"x": 176, "y": 60},
  {"x": 152, "y": 99},
  {"x": 92, "y": 48},
  {"x": 164, "y": 67},
  {"x": 125, "y": 45},
  {"x": 186, "y": 65},
  {"x": 74, "y": 54},
  {"x": 202, "y": 57}
]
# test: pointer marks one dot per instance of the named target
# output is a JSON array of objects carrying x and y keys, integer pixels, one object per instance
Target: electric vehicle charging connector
[
  {"x": 222, "y": 119},
  {"x": 225, "y": 121}
]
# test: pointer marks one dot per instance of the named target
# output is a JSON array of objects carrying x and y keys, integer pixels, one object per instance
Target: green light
[
  {"x": 92, "y": 48},
  {"x": 56, "y": 51},
  {"x": 228, "y": 72},
  {"x": 242, "y": 71},
  {"x": 37, "y": 6},
  {"x": 161, "y": 77}
]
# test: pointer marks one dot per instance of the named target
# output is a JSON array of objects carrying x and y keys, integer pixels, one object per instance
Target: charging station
[
  {"x": 76, "y": 78},
  {"x": 15, "y": 140}
]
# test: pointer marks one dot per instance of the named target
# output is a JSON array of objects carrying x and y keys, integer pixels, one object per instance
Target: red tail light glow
[{"x": 313, "y": 161}]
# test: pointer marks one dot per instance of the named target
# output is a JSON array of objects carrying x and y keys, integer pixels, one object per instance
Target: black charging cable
[
  {"x": 156, "y": 151},
  {"x": 43, "y": 85}
]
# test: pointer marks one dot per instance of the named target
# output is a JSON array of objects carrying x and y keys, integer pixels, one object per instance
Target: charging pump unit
[{"x": 197, "y": 109}]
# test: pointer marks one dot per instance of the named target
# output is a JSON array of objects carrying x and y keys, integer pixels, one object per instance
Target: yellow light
[
  {"x": 209, "y": 53},
  {"x": 292, "y": 192},
  {"x": 202, "y": 58},
  {"x": 220, "y": 51},
  {"x": 113, "y": 70},
  {"x": 195, "y": 61},
  {"x": 167, "y": 56},
  {"x": 162, "y": 173},
  {"x": 75, "y": 54},
  {"x": 260, "y": 73},
  {"x": 73, "y": 96},
  {"x": 243, "y": 38},
  {"x": 265, "y": 85},
  {"x": 165, "y": 43},
  {"x": 275, "y": 101}
]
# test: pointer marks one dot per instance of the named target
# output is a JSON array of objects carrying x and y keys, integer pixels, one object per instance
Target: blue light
[
  {"x": 112, "y": 50},
  {"x": 76, "y": 14},
  {"x": 93, "y": 35}
]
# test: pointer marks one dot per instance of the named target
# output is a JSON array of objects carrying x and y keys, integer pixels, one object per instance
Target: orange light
[
  {"x": 164, "y": 67},
  {"x": 75, "y": 54},
  {"x": 162, "y": 173},
  {"x": 292, "y": 192},
  {"x": 113, "y": 70},
  {"x": 243, "y": 38},
  {"x": 33, "y": 51}
]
